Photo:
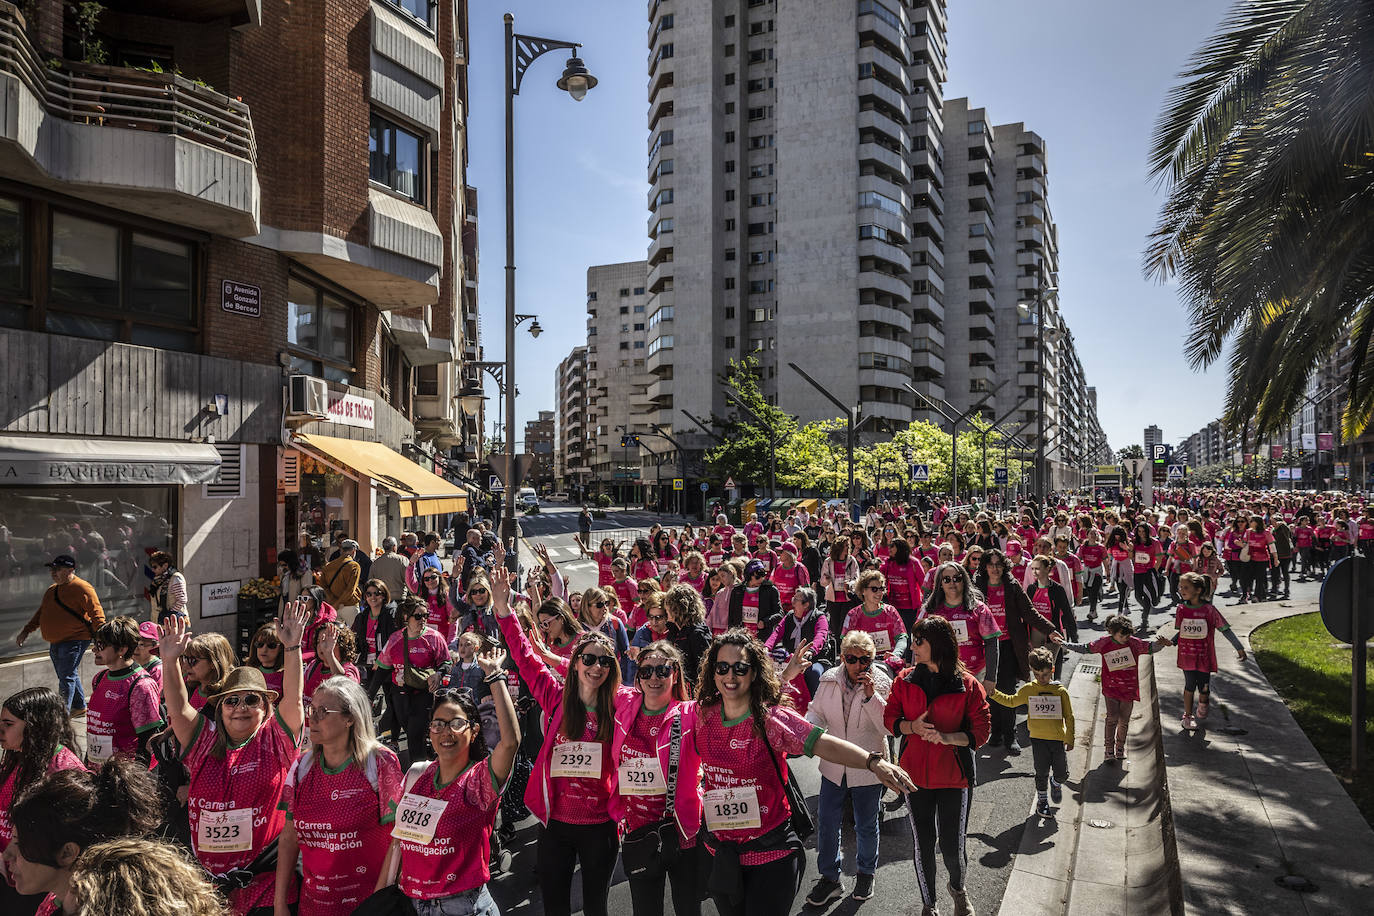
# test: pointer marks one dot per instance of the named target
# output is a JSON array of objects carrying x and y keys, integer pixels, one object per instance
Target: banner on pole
[
  {"x": 1309, "y": 442},
  {"x": 1326, "y": 441}
]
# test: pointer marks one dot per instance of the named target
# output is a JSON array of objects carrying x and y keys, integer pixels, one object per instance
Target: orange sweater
[{"x": 56, "y": 624}]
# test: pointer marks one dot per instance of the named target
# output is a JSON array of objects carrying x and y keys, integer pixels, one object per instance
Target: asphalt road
[{"x": 1001, "y": 802}]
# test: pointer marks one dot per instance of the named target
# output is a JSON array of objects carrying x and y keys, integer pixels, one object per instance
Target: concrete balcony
[
  {"x": 1031, "y": 235},
  {"x": 883, "y": 59},
  {"x": 880, "y": 250},
  {"x": 412, "y": 335},
  {"x": 882, "y": 378},
  {"x": 925, "y": 216},
  {"x": 883, "y": 315},
  {"x": 660, "y": 388},
  {"x": 981, "y": 245},
  {"x": 1034, "y": 165},
  {"x": 927, "y": 247},
  {"x": 1032, "y": 213},
  {"x": 928, "y": 362},
  {"x": 155, "y": 144},
  {"x": 1035, "y": 187},
  {"x": 925, "y": 159},
  {"x": 892, "y": 98},
  {"x": 982, "y": 272},
  {"x": 930, "y": 275},
  {"x": 661, "y": 359},
  {"x": 885, "y": 158},
  {"x": 982, "y": 349},
  {"x": 980, "y": 170},
  {"x": 981, "y": 325},
  {"x": 880, "y": 27},
  {"x": 896, "y": 287},
  {"x": 927, "y": 309},
  {"x": 978, "y": 372},
  {"x": 925, "y": 188},
  {"x": 888, "y": 410}
]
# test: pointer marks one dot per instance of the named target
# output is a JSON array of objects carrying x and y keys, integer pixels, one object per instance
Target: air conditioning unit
[{"x": 307, "y": 397}]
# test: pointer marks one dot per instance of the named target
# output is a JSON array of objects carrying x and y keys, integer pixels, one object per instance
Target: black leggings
[
  {"x": 561, "y": 847},
  {"x": 1008, "y": 675},
  {"x": 414, "y": 708},
  {"x": 1279, "y": 574},
  {"x": 769, "y": 889},
  {"x": 1256, "y": 582},
  {"x": 1146, "y": 592},
  {"x": 945, "y": 811},
  {"x": 1093, "y": 592},
  {"x": 688, "y": 877}
]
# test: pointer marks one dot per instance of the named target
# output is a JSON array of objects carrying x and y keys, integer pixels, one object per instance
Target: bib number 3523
[
  {"x": 577, "y": 759},
  {"x": 732, "y": 809},
  {"x": 225, "y": 831}
]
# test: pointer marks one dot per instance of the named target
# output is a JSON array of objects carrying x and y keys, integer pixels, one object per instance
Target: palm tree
[{"x": 1266, "y": 146}]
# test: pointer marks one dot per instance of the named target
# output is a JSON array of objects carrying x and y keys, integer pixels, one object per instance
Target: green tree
[
  {"x": 814, "y": 458},
  {"x": 746, "y": 448},
  {"x": 1267, "y": 151},
  {"x": 1131, "y": 451}
]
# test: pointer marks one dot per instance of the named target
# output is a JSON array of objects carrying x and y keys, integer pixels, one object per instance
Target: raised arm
[
  {"x": 292, "y": 627},
  {"x": 176, "y": 635},
  {"x": 502, "y": 757},
  {"x": 546, "y": 687}
]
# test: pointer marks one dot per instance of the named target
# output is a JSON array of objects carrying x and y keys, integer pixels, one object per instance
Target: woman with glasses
[
  {"x": 874, "y": 616},
  {"x": 341, "y": 846},
  {"x": 318, "y": 612},
  {"x": 664, "y": 549},
  {"x": 473, "y": 609},
  {"x": 432, "y": 587},
  {"x": 642, "y": 562},
  {"x": 596, "y": 617},
  {"x": 604, "y": 555},
  {"x": 976, "y": 630},
  {"x": 654, "y": 628},
  {"x": 848, "y": 703},
  {"x": 939, "y": 711},
  {"x": 804, "y": 626},
  {"x": 238, "y": 759},
  {"x": 372, "y": 629},
  {"x": 645, "y": 589},
  {"x": 417, "y": 657},
  {"x": 570, "y": 789},
  {"x": 744, "y": 737},
  {"x": 208, "y": 659},
  {"x": 440, "y": 853},
  {"x": 1015, "y": 617},
  {"x": 660, "y": 837},
  {"x": 559, "y": 627}
]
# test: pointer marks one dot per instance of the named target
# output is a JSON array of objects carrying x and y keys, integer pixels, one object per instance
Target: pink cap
[
  {"x": 149, "y": 630},
  {"x": 789, "y": 547}
]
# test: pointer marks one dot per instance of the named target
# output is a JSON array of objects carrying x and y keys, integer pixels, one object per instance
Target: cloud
[{"x": 635, "y": 185}]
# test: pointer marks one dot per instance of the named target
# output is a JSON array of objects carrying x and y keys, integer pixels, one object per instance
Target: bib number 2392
[
  {"x": 225, "y": 831},
  {"x": 577, "y": 759},
  {"x": 732, "y": 809}
]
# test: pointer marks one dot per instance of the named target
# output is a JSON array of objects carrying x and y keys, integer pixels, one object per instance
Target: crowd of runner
[{"x": 396, "y": 722}]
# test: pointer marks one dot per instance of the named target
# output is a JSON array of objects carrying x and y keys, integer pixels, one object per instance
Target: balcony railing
[{"x": 127, "y": 99}]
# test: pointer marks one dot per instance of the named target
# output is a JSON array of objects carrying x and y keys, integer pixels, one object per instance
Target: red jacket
[{"x": 959, "y": 704}]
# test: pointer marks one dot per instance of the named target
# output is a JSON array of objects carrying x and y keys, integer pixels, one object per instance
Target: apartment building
[
  {"x": 539, "y": 445},
  {"x": 617, "y": 378},
  {"x": 571, "y": 470},
  {"x": 233, "y": 304},
  {"x": 1152, "y": 436}
]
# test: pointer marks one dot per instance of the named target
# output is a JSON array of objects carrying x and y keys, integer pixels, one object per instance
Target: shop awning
[
  {"x": 53, "y": 461},
  {"x": 421, "y": 492}
]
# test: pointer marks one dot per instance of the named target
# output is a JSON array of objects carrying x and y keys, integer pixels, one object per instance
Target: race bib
[
  {"x": 1142, "y": 558},
  {"x": 99, "y": 748},
  {"x": 751, "y": 615},
  {"x": 1192, "y": 628},
  {"x": 1046, "y": 706},
  {"x": 416, "y": 818},
  {"x": 882, "y": 642},
  {"x": 1119, "y": 659},
  {"x": 225, "y": 831},
  {"x": 732, "y": 809},
  {"x": 641, "y": 776},
  {"x": 960, "y": 630},
  {"x": 577, "y": 759}
]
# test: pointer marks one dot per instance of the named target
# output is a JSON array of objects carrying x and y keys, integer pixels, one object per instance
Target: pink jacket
[
  {"x": 687, "y": 795},
  {"x": 548, "y": 693}
]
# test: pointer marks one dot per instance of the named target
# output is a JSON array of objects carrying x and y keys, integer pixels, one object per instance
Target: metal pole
[
  {"x": 508, "y": 515},
  {"x": 1357, "y": 667}
]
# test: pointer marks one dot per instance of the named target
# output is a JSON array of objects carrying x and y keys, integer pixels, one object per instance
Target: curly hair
[
  {"x": 465, "y": 700},
  {"x": 142, "y": 877},
  {"x": 765, "y": 690},
  {"x": 46, "y": 728},
  {"x": 345, "y": 642},
  {"x": 684, "y": 605}
]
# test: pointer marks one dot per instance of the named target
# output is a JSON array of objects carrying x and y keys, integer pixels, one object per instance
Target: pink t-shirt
[
  {"x": 343, "y": 827},
  {"x": 121, "y": 707},
  {"x": 644, "y": 569},
  {"x": 996, "y": 596},
  {"x": 426, "y": 651},
  {"x": 733, "y": 756},
  {"x": 751, "y": 610},
  {"x": 1092, "y": 555},
  {"x": 1258, "y": 542},
  {"x": 64, "y": 759},
  {"x": 699, "y": 583},
  {"x": 458, "y": 858},
  {"x": 788, "y": 581},
  {"x": 582, "y": 799},
  {"x": 1120, "y": 672},
  {"x": 605, "y": 575},
  {"x": 887, "y": 621},
  {"x": 903, "y": 583},
  {"x": 154, "y": 669},
  {"x": 971, "y": 627},
  {"x": 250, "y": 776},
  {"x": 1143, "y": 556},
  {"x": 768, "y": 557},
  {"x": 641, "y": 742},
  {"x": 627, "y": 592},
  {"x": 274, "y": 678},
  {"x": 1197, "y": 627},
  {"x": 1304, "y": 536},
  {"x": 316, "y": 673}
]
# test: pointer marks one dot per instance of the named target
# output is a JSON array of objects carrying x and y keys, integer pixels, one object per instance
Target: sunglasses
[
  {"x": 863, "y": 661},
  {"x": 644, "y": 672},
  {"x": 657, "y": 617},
  {"x": 600, "y": 604},
  {"x": 878, "y": 589},
  {"x": 918, "y": 640},
  {"x": 740, "y": 668},
  {"x": 423, "y": 615},
  {"x": 454, "y": 725},
  {"x": 477, "y": 591},
  {"x": 242, "y": 699},
  {"x": 588, "y": 660},
  {"x": 373, "y": 593},
  {"x": 950, "y": 580},
  {"x": 430, "y": 578},
  {"x": 267, "y": 645},
  {"x": 192, "y": 659},
  {"x": 464, "y": 694}
]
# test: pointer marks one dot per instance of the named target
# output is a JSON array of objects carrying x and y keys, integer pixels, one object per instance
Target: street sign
[
  {"x": 920, "y": 473},
  {"x": 1347, "y": 609},
  {"x": 999, "y": 477},
  {"x": 1163, "y": 451},
  {"x": 1175, "y": 472},
  {"x": 1285, "y": 473},
  {"x": 677, "y": 483},
  {"x": 495, "y": 485},
  {"x": 1295, "y": 474},
  {"x": 705, "y": 486},
  {"x": 729, "y": 483}
]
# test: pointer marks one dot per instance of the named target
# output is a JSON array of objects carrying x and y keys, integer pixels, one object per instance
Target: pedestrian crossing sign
[
  {"x": 677, "y": 483},
  {"x": 495, "y": 485},
  {"x": 920, "y": 473},
  {"x": 1175, "y": 472}
]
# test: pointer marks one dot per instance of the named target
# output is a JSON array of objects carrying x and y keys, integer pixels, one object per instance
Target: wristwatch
[{"x": 872, "y": 758}]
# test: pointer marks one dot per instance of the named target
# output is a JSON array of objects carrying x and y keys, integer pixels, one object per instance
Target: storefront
[{"x": 107, "y": 502}]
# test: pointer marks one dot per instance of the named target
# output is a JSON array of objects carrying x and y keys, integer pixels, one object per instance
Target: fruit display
[{"x": 261, "y": 588}]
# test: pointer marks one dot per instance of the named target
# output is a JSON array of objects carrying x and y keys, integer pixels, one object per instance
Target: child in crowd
[
  {"x": 1119, "y": 650},
  {"x": 146, "y": 653},
  {"x": 125, "y": 705},
  {"x": 1197, "y": 623},
  {"x": 269, "y": 655},
  {"x": 1051, "y": 727}
]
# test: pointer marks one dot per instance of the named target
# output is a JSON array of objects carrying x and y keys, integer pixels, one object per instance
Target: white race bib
[
  {"x": 99, "y": 748},
  {"x": 1192, "y": 628},
  {"x": 1142, "y": 558},
  {"x": 577, "y": 759},
  {"x": 732, "y": 809},
  {"x": 960, "y": 631},
  {"x": 641, "y": 776},
  {"x": 416, "y": 818},
  {"x": 225, "y": 831},
  {"x": 1045, "y": 706},
  {"x": 882, "y": 642},
  {"x": 751, "y": 615},
  {"x": 1119, "y": 659}
]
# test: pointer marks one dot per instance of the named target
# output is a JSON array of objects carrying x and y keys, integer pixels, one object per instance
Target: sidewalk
[{"x": 1244, "y": 800}]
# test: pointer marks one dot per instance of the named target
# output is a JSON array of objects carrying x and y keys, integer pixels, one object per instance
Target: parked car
[
  {"x": 558, "y": 498},
  {"x": 527, "y": 497}
]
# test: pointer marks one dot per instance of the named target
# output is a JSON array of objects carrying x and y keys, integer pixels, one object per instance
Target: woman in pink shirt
[{"x": 903, "y": 575}]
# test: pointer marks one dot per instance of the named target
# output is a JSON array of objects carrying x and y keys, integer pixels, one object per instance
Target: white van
[{"x": 527, "y": 497}]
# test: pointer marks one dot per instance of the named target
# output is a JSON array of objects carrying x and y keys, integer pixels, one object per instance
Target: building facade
[
  {"x": 539, "y": 445},
  {"x": 617, "y": 378},
  {"x": 236, "y": 331},
  {"x": 571, "y": 470}
]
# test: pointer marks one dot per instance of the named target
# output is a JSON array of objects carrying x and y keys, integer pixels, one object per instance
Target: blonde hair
[
  {"x": 139, "y": 876},
  {"x": 858, "y": 639}
]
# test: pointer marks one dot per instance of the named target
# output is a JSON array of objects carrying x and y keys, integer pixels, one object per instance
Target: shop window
[
  {"x": 395, "y": 158},
  {"x": 427, "y": 381},
  {"x": 319, "y": 332}
]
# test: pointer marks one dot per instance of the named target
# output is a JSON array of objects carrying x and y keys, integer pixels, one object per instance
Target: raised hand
[
  {"x": 500, "y": 594},
  {"x": 492, "y": 660},
  {"x": 291, "y": 626},
  {"x": 176, "y": 636}
]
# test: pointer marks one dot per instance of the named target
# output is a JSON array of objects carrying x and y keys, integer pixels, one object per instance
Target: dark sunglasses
[
  {"x": 918, "y": 640},
  {"x": 588, "y": 660},
  {"x": 477, "y": 591},
  {"x": 600, "y": 604},
  {"x": 373, "y": 593},
  {"x": 644, "y": 672},
  {"x": 246, "y": 699},
  {"x": 423, "y": 615},
  {"x": 657, "y": 617},
  {"x": 430, "y": 578},
  {"x": 643, "y": 590},
  {"x": 267, "y": 645},
  {"x": 740, "y": 668},
  {"x": 863, "y": 661},
  {"x": 880, "y": 589},
  {"x": 950, "y": 580}
]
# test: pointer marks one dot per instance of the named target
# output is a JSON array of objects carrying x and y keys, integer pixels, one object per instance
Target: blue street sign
[
  {"x": 1175, "y": 472},
  {"x": 920, "y": 473},
  {"x": 705, "y": 487},
  {"x": 999, "y": 476}
]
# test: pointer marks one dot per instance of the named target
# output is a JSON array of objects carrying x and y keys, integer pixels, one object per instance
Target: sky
[{"x": 1089, "y": 77}]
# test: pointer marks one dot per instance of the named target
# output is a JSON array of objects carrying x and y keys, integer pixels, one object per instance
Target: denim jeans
[
  {"x": 866, "y": 815},
  {"x": 66, "y": 661},
  {"x": 476, "y": 902}
]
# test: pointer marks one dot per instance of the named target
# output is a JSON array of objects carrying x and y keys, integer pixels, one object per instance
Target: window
[
  {"x": 624, "y": 310},
  {"x": 764, "y": 170},
  {"x": 664, "y": 168},
  {"x": 624, "y": 345},
  {"x": 729, "y": 254},
  {"x": 729, "y": 50},
  {"x": 665, "y": 23},
  {"x": 760, "y": 286},
  {"x": 729, "y": 136},
  {"x": 420, "y": 10},
  {"x": 758, "y": 314},
  {"x": 729, "y": 166},
  {"x": 624, "y": 328},
  {"x": 729, "y": 343},
  {"x": 729, "y": 282},
  {"x": 661, "y": 343},
  {"x": 729, "y": 194},
  {"x": 591, "y": 296},
  {"x": 976, "y": 127},
  {"x": 762, "y": 141},
  {"x": 730, "y": 21},
  {"x": 880, "y": 202},
  {"x": 755, "y": 344},
  {"x": 427, "y": 381},
  {"x": 395, "y": 158},
  {"x": 760, "y": 228},
  {"x": 760, "y": 257},
  {"x": 663, "y": 314},
  {"x": 14, "y": 279},
  {"x": 881, "y": 12},
  {"x": 113, "y": 283},
  {"x": 729, "y": 311},
  {"x": 639, "y": 345},
  {"x": 664, "y": 197},
  {"x": 664, "y": 139},
  {"x": 730, "y": 225},
  {"x": 624, "y": 291},
  {"x": 639, "y": 325},
  {"x": 319, "y": 332},
  {"x": 759, "y": 55},
  {"x": 729, "y": 108},
  {"x": 761, "y": 26},
  {"x": 761, "y": 200},
  {"x": 664, "y": 52},
  {"x": 729, "y": 79}
]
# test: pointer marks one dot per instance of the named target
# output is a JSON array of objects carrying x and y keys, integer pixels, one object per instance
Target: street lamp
[
  {"x": 521, "y": 51},
  {"x": 851, "y": 415},
  {"x": 1040, "y": 296}
]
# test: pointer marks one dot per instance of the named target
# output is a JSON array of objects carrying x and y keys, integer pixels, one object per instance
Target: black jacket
[
  {"x": 1021, "y": 617},
  {"x": 693, "y": 642},
  {"x": 386, "y": 625},
  {"x": 770, "y": 605}
]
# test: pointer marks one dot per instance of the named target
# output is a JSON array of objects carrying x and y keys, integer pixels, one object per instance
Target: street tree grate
[{"x": 1090, "y": 669}]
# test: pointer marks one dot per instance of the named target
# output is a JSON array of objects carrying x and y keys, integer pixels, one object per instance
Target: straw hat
[{"x": 244, "y": 680}]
